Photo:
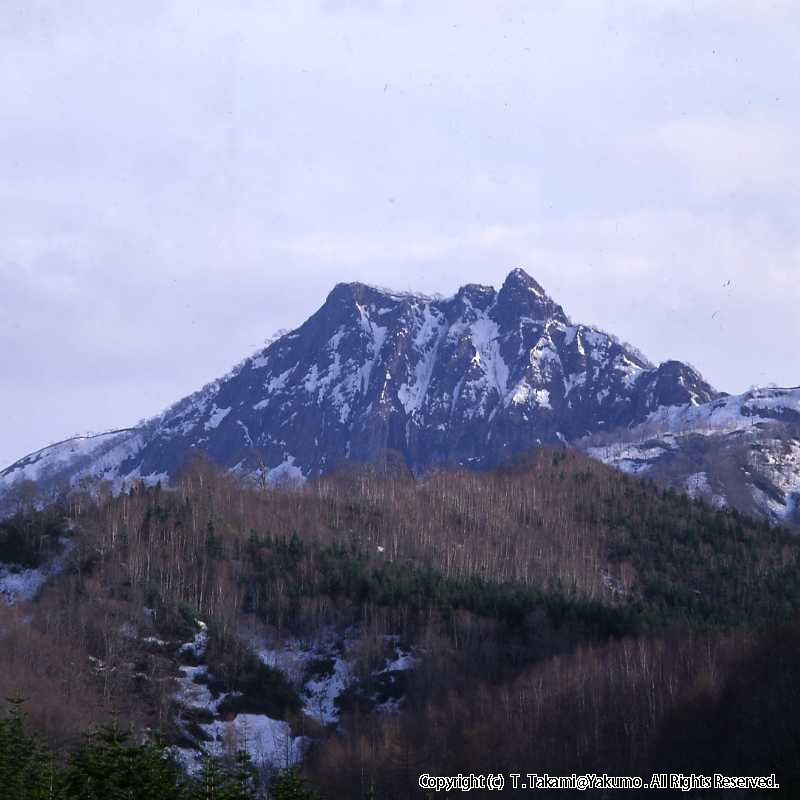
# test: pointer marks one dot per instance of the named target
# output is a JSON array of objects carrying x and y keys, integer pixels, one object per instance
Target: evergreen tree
[
  {"x": 289, "y": 784},
  {"x": 239, "y": 782},
  {"x": 211, "y": 782},
  {"x": 109, "y": 766},
  {"x": 26, "y": 768}
]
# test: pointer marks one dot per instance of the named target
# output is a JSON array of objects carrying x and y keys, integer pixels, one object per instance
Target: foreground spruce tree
[
  {"x": 289, "y": 784},
  {"x": 217, "y": 783},
  {"x": 26, "y": 768},
  {"x": 110, "y": 765}
]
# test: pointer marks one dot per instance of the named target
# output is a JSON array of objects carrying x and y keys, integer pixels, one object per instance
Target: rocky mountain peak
[
  {"x": 520, "y": 279},
  {"x": 471, "y": 379},
  {"x": 355, "y": 292},
  {"x": 522, "y": 295}
]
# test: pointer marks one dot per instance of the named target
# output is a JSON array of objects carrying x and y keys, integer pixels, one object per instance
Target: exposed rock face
[{"x": 471, "y": 379}]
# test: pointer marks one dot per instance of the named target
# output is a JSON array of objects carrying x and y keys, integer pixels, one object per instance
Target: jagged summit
[
  {"x": 469, "y": 379},
  {"x": 516, "y": 277},
  {"x": 519, "y": 289},
  {"x": 521, "y": 294},
  {"x": 520, "y": 279}
]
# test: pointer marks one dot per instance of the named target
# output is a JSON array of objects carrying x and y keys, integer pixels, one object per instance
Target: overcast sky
[{"x": 178, "y": 180}]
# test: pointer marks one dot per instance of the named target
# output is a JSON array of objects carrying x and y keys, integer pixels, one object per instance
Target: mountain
[
  {"x": 741, "y": 451},
  {"x": 470, "y": 379}
]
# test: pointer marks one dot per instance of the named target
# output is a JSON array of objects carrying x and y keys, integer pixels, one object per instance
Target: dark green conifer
[{"x": 26, "y": 768}]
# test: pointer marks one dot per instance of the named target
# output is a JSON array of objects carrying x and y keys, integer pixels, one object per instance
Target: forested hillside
[{"x": 555, "y": 615}]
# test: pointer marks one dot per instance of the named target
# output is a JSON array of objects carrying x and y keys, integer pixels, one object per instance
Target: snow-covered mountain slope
[
  {"x": 471, "y": 379},
  {"x": 93, "y": 455},
  {"x": 741, "y": 451}
]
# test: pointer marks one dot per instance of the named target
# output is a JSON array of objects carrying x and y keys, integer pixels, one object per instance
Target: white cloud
[
  {"x": 178, "y": 180},
  {"x": 731, "y": 155}
]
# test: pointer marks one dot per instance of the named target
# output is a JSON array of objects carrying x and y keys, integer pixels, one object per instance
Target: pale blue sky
[{"x": 178, "y": 180}]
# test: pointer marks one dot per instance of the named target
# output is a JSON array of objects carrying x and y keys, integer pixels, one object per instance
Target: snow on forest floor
[
  {"x": 18, "y": 583},
  {"x": 268, "y": 742},
  {"x": 325, "y": 671},
  {"x": 321, "y": 672}
]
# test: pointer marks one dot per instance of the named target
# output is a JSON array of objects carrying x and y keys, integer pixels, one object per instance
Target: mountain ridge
[
  {"x": 739, "y": 450},
  {"x": 467, "y": 379}
]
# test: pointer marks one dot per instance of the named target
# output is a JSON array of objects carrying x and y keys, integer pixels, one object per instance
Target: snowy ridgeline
[
  {"x": 761, "y": 425},
  {"x": 744, "y": 413},
  {"x": 321, "y": 674}
]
